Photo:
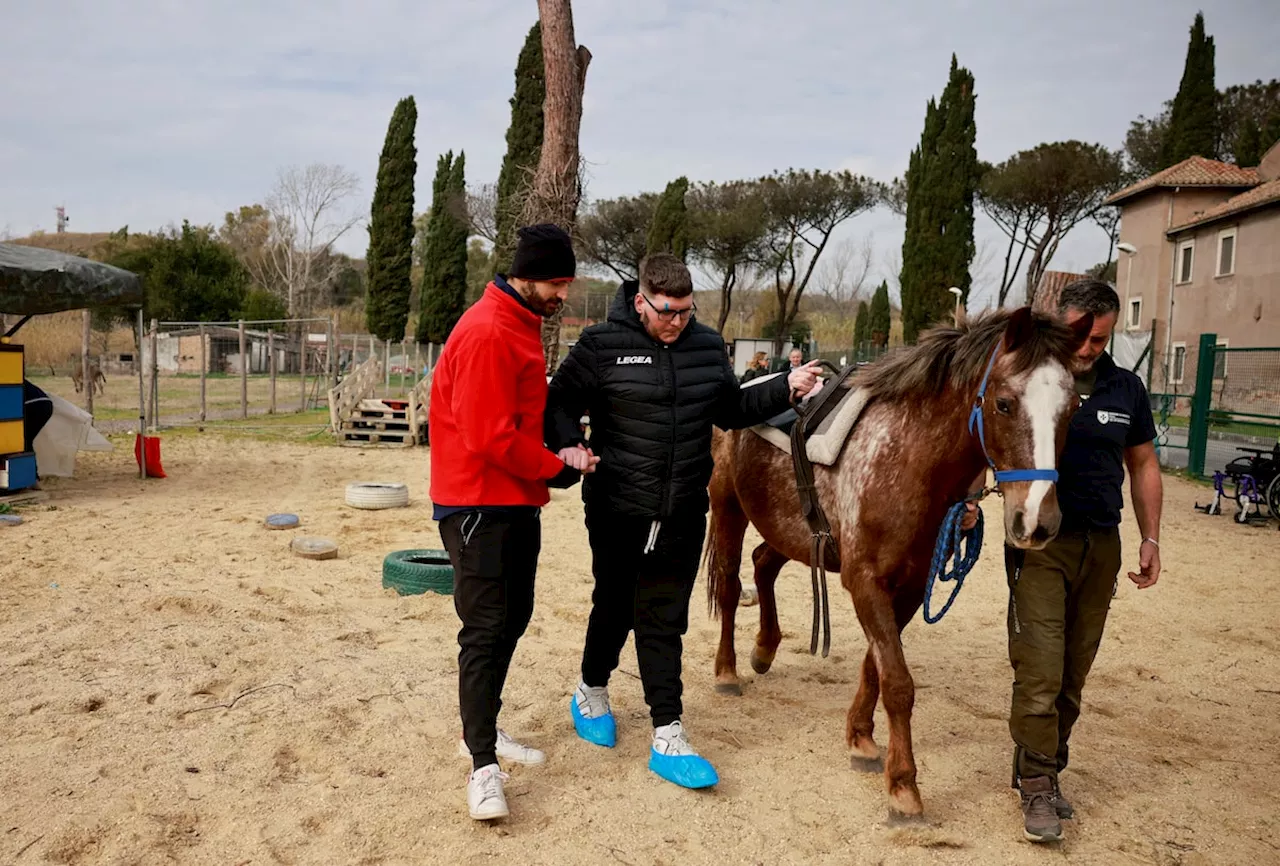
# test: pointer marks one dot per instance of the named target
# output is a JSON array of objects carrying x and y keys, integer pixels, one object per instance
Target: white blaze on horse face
[{"x": 1046, "y": 396}]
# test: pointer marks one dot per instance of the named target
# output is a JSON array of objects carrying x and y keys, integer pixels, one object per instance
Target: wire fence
[
  {"x": 196, "y": 372},
  {"x": 1246, "y": 385}
]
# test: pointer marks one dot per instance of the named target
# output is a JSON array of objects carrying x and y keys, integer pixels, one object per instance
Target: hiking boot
[
  {"x": 485, "y": 799},
  {"x": 592, "y": 717},
  {"x": 1061, "y": 805},
  {"x": 509, "y": 750},
  {"x": 1041, "y": 823},
  {"x": 672, "y": 758}
]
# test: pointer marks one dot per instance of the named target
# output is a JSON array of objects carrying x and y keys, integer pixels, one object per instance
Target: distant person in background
[
  {"x": 757, "y": 366},
  {"x": 795, "y": 360},
  {"x": 37, "y": 409}
]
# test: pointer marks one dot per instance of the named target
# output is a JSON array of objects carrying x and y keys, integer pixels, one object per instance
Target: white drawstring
[{"x": 653, "y": 536}]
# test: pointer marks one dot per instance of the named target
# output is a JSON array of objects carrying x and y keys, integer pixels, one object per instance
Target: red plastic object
[{"x": 154, "y": 469}]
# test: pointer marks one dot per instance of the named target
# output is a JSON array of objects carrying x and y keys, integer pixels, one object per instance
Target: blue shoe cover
[
  {"x": 602, "y": 731},
  {"x": 687, "y": 771}
]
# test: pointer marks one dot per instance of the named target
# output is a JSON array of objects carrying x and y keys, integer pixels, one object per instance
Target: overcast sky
[{"x": 145, "y": 113}]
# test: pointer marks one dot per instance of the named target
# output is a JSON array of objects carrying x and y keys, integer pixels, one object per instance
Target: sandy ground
[{"x": 179, "y": 688}]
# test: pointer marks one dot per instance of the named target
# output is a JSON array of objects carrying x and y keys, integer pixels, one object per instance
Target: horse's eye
[{"x": 1002, "y": 406}]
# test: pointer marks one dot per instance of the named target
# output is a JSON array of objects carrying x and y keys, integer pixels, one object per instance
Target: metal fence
[{"x": 1235, "y": 399}]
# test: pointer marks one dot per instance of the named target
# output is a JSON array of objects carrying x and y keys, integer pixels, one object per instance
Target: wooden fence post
[
  {"x": 204, "y": 365},
  {"x": 271, "y": 367},
  {"x": 244, "y": 374},
  {"x": 155, "y": 375},
  {"x": 86, "y": 333},
  {"x": 302, "y": 364}
]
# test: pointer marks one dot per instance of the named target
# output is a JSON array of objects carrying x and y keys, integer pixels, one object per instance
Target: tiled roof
[
  {"x": 1259, "y": 196},
  {"x": 1193, "y": 171}
]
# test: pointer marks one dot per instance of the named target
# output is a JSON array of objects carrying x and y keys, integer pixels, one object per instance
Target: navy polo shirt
[{"x": 1114, "y": 414}]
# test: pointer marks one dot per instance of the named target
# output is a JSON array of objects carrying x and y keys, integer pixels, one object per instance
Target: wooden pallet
[
  {"x": 384, "y": 438},
  {"x": 360, "y": 420},
  {"x": 21, "y": 497}
]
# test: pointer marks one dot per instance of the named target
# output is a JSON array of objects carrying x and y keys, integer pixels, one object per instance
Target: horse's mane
[{"x": 957, "y": 356}]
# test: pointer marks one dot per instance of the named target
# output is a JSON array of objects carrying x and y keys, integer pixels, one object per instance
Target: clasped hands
[{"x": 579, "y": 457}]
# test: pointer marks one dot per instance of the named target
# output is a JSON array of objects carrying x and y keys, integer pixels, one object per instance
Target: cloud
[{"x": 150, "y": 112}]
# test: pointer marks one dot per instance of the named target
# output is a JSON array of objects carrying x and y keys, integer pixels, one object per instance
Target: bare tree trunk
[
  {"x": 726, "y": 296},
  {"x": 556, "y": 189}
]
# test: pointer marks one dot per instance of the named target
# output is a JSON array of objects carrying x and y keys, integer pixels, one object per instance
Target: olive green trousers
[{"x": 1059, "y": 598}]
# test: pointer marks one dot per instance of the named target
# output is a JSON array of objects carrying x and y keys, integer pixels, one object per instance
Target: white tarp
[
  {"x": 1129, "y": 350},
  {"x": 69, "y": 430}
]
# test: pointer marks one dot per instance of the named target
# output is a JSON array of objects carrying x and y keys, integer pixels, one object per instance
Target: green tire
[{"x": 413, "y": 572}]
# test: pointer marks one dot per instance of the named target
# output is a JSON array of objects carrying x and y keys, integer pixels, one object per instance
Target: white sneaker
[
  {"x": 485, "y": 799},
  {"x": 592, "y": 701},
  {"x": 509, "y": 750},
  {"x": 672, "y": 740}
]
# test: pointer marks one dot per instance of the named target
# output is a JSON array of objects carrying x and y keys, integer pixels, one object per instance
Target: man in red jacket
[{"x": 489, "y": 477}]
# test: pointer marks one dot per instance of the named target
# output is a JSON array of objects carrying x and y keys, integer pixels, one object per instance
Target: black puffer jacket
[{"x": 651, "y": 407}]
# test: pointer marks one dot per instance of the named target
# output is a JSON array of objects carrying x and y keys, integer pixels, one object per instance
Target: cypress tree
[
  {"x": 444, "y": 260},
  {"x": 861, "y": 325},
  {"x": 524, "y": 142},
  {"x": 1193, "y": 121},
  {"x": 669, "y": 231},
  {"x": 390, "y": 254},
  {"x": 880, "y": 319},
  {"x": 942, "y": 178}
]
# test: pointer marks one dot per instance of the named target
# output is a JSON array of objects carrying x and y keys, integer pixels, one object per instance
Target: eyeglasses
[{"x": 670, "y": 315}]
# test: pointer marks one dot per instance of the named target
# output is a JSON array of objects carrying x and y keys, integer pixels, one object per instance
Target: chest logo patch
[
  {"x": 635, "y": 359},
  {"x": 1105, "y": 417}
]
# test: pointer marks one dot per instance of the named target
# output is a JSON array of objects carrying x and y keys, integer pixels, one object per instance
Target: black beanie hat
[{"x": 545, "y": 252}]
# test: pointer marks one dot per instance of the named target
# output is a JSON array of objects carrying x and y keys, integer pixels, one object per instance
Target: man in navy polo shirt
[{"x": 1059, "y": 596}]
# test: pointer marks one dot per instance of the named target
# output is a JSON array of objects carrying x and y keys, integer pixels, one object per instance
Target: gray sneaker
[{"x": 1040, "y": 815}]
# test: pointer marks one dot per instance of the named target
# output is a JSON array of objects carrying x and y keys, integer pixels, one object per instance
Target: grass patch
[
  {"x": 1240, "y": 428},
  {"x": 308, "y": 428}
]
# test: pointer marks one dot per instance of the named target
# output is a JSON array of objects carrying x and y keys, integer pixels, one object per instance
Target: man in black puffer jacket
[{"x": 653, "y": 383}]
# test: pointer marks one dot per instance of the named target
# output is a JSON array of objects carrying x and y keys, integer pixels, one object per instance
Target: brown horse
[{"x": 912, "y": 455}]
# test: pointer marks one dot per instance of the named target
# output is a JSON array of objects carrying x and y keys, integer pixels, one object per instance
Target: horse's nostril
[
  {"x": 1040, "y": 535},
  {"x": 1019, "y": 531}
]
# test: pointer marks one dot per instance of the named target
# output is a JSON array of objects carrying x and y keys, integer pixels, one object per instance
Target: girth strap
[{"x": 810, "y": 505}]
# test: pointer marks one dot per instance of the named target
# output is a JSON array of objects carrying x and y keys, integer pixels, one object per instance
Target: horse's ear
[
  {"x": 1018, "y": 332},
  {"x": 1081, "y": 328}
]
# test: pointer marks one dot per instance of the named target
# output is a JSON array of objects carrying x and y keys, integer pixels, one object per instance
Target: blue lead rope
[{"x": 949, "y": 547}]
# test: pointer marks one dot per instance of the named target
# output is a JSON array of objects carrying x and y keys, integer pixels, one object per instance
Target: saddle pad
[{"x": 825, "y": 443}]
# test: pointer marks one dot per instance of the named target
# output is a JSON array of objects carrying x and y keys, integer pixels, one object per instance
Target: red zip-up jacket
[{"x": 488, "y": 395}]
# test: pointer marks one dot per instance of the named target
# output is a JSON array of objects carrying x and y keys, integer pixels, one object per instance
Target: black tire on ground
[
  {"x": 413, "y": 572},
  {"x": 1273, "y": 496}
]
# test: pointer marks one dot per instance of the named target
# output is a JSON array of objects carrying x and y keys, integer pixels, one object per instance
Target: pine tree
[
  {"x": 390, "y": 254},
  {"x": 1248, "y": 144},
  {"x": 1193, "y": 121},
  {"x": 524, "y": 142},
  {"x": 669, "y": 231},
  {"x": 941, "y": 181},
  {"x": 880, "y": 320},
  {"x": 861, "y": 325},
  {"x": 444, "y": 260}
]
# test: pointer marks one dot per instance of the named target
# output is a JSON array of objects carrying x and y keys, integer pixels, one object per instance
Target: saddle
[{"x": 824, "y": 551}]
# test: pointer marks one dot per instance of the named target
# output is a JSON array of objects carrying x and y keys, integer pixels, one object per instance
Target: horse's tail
[{"x": 715, "y": 568}]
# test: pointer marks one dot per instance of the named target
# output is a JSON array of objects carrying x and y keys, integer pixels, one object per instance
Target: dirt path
[{"x": 179, "y": 688}]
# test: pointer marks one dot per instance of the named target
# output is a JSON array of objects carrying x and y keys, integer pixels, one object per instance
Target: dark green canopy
[{"x": 34, "y": 282}]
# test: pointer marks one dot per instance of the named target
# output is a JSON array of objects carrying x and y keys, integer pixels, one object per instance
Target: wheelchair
[{"x": 1254, "y": 483}]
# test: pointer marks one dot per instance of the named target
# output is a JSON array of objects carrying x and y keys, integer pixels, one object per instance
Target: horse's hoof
[
  {"x": 902, "y": 819},
  {"x": 734, "y": 689},
  {"x": 866, "y": 765},
  {"x": 759, "y": 665}
]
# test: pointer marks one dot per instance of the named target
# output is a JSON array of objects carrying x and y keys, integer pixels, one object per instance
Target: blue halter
[
  {"x": 975, "y": 419},
  {"x": 950, "y": 536}
]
